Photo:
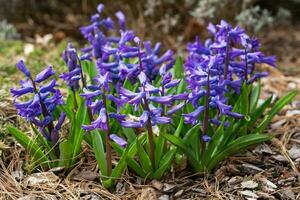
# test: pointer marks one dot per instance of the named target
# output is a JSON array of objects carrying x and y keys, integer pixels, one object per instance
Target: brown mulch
[{"x": 268, "y": 171}]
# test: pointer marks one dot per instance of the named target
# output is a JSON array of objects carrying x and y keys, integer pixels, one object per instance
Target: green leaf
[
  {"x": 236, "y": 146},
  {"x": 179, "y": 127},
  {"x": 77, "y": 133},
  {"x": 214, "y": 144},
  {"x": 143, "y": 158},
  {"x": 181, "y": 145},
  {"x": 130, "y": 134},
  {"x": 164, "y": 164},
  {"x": 121, "y": 165},
  {"x": 133, "y": 164},
  {"x": 31, "y": 146},
  {"x": 255, "y": 94},
  {"x": 159, "y": 149},
  {"x": 178, "y": 68},
  {"x": 275, "y": 109},
  {"x": 259, "y": 111},
  {"x": 66, "y": 153},
  {"x": 44, "y": 143},
  {"x": 99, "y": 151}
]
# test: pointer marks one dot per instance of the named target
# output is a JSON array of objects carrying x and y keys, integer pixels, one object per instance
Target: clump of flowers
[
  {"x": 126, "y": 96},
  {"x": 43, "y": 99}
]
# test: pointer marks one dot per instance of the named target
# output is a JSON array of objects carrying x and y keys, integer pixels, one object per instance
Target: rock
[
  {"x": 249, "y": 193},
  {"x": 157, "y": 184},
  {"x": 249, "y": 184},
  {"x": 43, "y": 178},
  {"x": 164, "y": 197},
  {"x": 147, "y": 193},
  {"x": 294, "y": 152}
]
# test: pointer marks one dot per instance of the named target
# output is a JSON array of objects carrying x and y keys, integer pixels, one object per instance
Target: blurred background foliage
[{"x": 172, "y": 22}]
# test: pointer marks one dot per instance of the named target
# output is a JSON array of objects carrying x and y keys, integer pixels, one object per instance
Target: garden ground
[{"x": 268, "y": 171}]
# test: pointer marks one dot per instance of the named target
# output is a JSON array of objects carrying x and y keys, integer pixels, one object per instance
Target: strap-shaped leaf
[
  {"x": 130, "y": 134},
  {"x": 30, "y": 145},
  {"x": 143, "y": 157},
  {"x": 164, "y": 164},
  {"x": 133, "y": 164},
  {"x": 236, "y": 146},
  {"x": 259, "y": 111},
  {"x": 77, "y": 135},
  {"x": 178, "y": 68},
  {"x": 159, "y": 149},
  {"x": 99, "y": 151},
  {"x": 275, "y": 109},
  {"x": 255, "y": 94},
  {"x": 182, "y": 146},
  {"x": 66, "y": 153},
  {"x": 121, "y": 166}
]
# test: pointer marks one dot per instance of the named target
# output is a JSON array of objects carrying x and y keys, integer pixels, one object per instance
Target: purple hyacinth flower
[
  {"x": 192, "y": 117},
  {"x": 257, "y": 76},
  {"x": 21, "y": 91},
  {"x": 118, "y": 117},
  {"x": 161, "y": 99},
  {"x": 175, "y": 108},
  {"x": 100, "y": 8},
  {"x": 90, "y": 94},
  {"x": 206, "y": 138},
  {"x": 45, "y": 74},
  {"x": 99, "y": 123},
  {"x": 172, "y": 83},
  {"x": 49, "y": 87},
  {"x": 131, "y": 124},
  {"x": 144, "y": 117},
  {"x": 161, "y": 120},
  {"x": 121, "y": 18},
  {"x": 54, "y": 136},
  {"x": 22, "y": 67},
  {"x": 120, "y": 141}
]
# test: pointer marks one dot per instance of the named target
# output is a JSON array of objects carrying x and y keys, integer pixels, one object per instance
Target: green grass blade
[{"x": 31, "y": 146}]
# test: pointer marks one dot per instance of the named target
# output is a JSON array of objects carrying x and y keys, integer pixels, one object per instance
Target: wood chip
[
  {"x": 249, "y": 184},
  {"x": 249, "y": 193}
]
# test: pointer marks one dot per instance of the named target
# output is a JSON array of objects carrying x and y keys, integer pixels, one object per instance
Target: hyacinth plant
[
  {"x": 125, "y": 96},
  {"x": 41, "y": 100},
  {"x": 223, "y": 106}
]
